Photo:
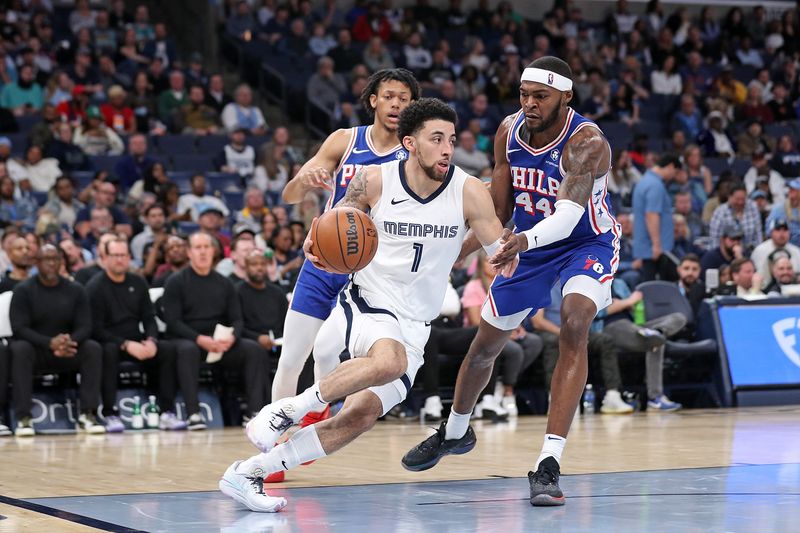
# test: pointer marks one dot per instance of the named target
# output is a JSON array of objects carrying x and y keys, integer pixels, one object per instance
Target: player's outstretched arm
[
  {"x": 500, "y": 190},
  {"x": 486, "y": 227},
  {"x": 586, "y": 157},
  {"x": 318, "y": 171}
]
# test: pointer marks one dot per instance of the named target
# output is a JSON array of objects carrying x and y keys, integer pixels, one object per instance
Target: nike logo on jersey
[
  {"x": 395, "y": 202},
  {"x": 514, "y": 150},
  {"x": 357, "y": 151}
]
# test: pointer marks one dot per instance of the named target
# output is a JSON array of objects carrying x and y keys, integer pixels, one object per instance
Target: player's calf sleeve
[{"x": 299, "y": 332}]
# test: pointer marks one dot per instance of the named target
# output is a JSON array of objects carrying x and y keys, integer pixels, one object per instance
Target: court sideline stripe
[
  {"x": 66, "y": 515},
  {"x": 647, "y": 495}
]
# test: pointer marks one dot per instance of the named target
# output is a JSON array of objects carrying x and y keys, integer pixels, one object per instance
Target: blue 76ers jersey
[
  {"x": 360, "y": 152},
  {"x": 536, "y": 175}
]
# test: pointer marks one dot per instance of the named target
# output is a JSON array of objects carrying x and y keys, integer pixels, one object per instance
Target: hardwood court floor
[{"x": 160, "y": 462}]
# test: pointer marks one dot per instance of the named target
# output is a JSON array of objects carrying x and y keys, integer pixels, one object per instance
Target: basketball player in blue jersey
[
  {"x": 421, "y": 208},
  {"x": 344, "y": 152},
  {"x": 551, "y": 170}
]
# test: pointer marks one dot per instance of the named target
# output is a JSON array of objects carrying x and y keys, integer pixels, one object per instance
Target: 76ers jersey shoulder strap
[{"x": 360, "y": 152}]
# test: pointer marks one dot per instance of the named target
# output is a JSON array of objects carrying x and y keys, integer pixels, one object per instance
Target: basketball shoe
[
  {"x": 544, "y": 484},
  {"x": 427, "y": 453},
  {"x": 270, "y": 423},
  {"x": 249, "y": 490}
]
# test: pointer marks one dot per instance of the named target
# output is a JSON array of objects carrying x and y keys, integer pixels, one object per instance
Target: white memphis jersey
[{"x": 418, "y": 242}]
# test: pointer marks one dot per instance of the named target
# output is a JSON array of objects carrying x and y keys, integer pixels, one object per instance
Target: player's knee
[
  {"x": 391, "y": 363},
  {"x": 357, "y": 418},
  {"x": 575, "y": 329}
]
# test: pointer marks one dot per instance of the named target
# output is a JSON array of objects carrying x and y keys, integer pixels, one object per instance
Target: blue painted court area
[{"x": 739, "y": 498}]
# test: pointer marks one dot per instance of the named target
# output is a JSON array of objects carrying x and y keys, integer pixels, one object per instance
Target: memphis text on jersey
[{"x": 411, "y": 229}]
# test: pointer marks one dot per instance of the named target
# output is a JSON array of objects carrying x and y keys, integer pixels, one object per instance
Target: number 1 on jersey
[{"x": 417, "y": 256}]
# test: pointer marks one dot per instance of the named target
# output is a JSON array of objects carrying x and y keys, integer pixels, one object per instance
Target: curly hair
[
  {"x": 388, "y": 74},
  {"x": 417, "y": 113}
]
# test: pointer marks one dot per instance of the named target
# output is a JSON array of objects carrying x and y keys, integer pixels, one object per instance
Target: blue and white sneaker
[
  {"x": 662, "y": 403},
  {"x": 270, "y": 423},
  {"x": 248, "y": 489},
  {"x": 114, "y": 424}
]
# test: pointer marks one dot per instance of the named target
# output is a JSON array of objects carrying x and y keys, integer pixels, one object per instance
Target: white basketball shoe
[{"x": 248, "y": 489}]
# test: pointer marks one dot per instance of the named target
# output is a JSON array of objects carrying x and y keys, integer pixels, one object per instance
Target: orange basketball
[{"x": 344, "y": 239}]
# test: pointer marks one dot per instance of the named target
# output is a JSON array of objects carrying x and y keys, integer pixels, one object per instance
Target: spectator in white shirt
[
  {"x": 761, "y": 171},
  {"x": 241, "y": 113},
  {"x": 666, "y": 80},
  {"x": 418, "y": 58},
  {"x": 764, "y": 254},
  {"x": 197, "y": 201}
]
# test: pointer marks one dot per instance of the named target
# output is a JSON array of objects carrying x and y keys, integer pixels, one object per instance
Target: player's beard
[
  {"x": 547, "y": 121},
  {"x": 431, "y": 172}
]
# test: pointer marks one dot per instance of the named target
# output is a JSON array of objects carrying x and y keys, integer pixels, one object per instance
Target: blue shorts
[
  {"x": 316, "y": 291},
  {"x": 538, "y": 270}
]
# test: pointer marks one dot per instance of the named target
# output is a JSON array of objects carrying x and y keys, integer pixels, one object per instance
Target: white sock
[
  {"x": 304, "y": 446},
  {"x": 553, "y": 447},
  {"x": 309, "y": 400},
  {"x": 457, "y": 425},
  {"x": 299, "y": 332}
]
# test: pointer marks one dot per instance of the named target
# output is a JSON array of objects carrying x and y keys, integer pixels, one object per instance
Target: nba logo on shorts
[
  {"x": 593, "y": 263},
  {"x": 550, "y": 79},
  {"x": 400, "y": 155}
]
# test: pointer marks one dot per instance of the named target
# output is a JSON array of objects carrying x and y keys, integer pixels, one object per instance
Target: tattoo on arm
[
  {"x": 581, "y": 161},
  {"x": 356, "y": 194}
]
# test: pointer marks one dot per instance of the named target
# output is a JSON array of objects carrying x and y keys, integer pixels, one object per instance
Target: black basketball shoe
[
  {"x": 427, "y": 453},
  {"x": 544, "y": 484}
]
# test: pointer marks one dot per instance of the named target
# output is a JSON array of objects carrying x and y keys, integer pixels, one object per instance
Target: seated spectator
[
  {"x": 242, "y": 245},
  {"x": 155, "y": 225},
  {"x": 666, "y": 79},
  {"x": 761, "y": 172},
  {"x": 623, "y": 177},
  {"x": 16, "y": 209},
  {"x": 295, "y": 43},
  {"x": 683, "y": 207},
  {"x": 287, "y": 257},
  {"x": 479, "y": 110},
  {"x": 714, "y": 139},
  {"x": 237, "y": 157},
  {"x": 616, "y": 320},
  {"x": 728, "y": 249},
  {"x": 42, "y": 133},
  {"x": 175, "y": 258},
  {"x": 753, "y": 140},
  {"x": 132, "y": 167},
  {"x": 782, "y": 273},
  {"x": 738, "y": 211},
  {"x": 780, "y": 105},
  {"x": 84, "y": 73},
  {"x": 547, "y": 324},
  {"x": 418, "y": 57},
  {"x": 74, "y": 110},
  {"x": 376, "y": 57},
  {"x": 195, "y": 117},
  {"x": 103, "y": 35},
  {"x": 371, "y": 24},
  {"x": 789, "y": 211},
  {"x": 100, "y": 223},
  {"x": 321, "y": 42},
  {"x": 683, "y": 239},
  {"x": 11, "y": 166},
  {"x": 254, "y": 211},
  {"x": 598, "y": 107},
  {"x": 23, "y": 97},
  {"x": 624, "y": 107},
  {"x": 264, "y": 305},
  {"x": 344, "y": 55},
  {"x": 441, "y": 69},
  {"x": 117, "y": 114},
  {"x": 95, "y": 138},
  {"x": 700, "y": 178},
  {"x": 42, "y": 171},
  {"x": 747, "y": 280},
  {"x": 747, "y": 55},
  {"x": 241, "y": 25},
  {"x": 104, "y": 196},
  {"x": 124, "y": 324},
  {"x": 689, "y": 282},
  {"x": 51, "y": 320},
  {"x": 9, "y": 234},
  {"x": 21, "y": 266},
  {"x": 195, "y": 73},
  {"x": 216, "y": 96},
  {"x": 195, "y": 301},
  {"x": 171, "y": 100},
  {"x": 97, "y": 258},
  {"x": 469, "y": 158},
  {"x": 75, "y": 258},
  {"x": 754, "y": 107},
  {"x": 162, "y": 45},
  {"x": 786, "y": 160},
  {"x": 211, "y": 220},
  {"x": 325, "y": 87},
  {"x": 60, "y": 91},
  {"x": 69, "y": 156},
  {"x": 697, "y": 74},
  {"x": 242, "y": 114},
  {"x": 268, "y": 225},
  {"x": 190, "y": 205},
  {"x": 143, "y": 103},
  {"x": 778, "y": 241},
  {"x": 729, "y": 88},
  {"x": 469, "y": 84}
]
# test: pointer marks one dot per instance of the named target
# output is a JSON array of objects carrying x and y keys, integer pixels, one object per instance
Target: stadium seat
[
  {"x": 234, "y": 200},
  {"x": 40, "y": 197},
  {"x": 781, "y": 128},
  {"x": 717, "y": 165},
  {"x": 82, "y": 178},
  {"x": 187, "y": 228},
  {"x": 220, "y": 182},
  {"x": 181, "y": 178},
  {"x": 619, "y": 133},
  {"x": 105, "y": 162},
  {"x": 172, "y": 145},
  {"x": 211, "y": 144},
  {"x": 257, "y": 141},
  {"x": 740, "y": 166},
  {"x": 5, "y": 316},
  {"x": 19, "y": 142},
  {"x": 192, "y": 162}
]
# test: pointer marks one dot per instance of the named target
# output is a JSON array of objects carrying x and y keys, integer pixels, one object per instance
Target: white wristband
[{"x": 491, "y": 249}]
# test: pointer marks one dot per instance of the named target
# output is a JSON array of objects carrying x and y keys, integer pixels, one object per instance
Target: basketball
[{"x": 344, "y": 239}]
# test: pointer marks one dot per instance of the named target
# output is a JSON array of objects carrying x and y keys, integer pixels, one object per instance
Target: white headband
[{"x": 547, "y": 77}]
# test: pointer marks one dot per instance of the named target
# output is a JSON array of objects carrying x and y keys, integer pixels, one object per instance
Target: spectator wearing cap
[
  {"x": 216, "y": 96},
  {"x": 653, "y": 233},
  {"x": 237, "y": 157},
  {"x": 162, "y": 45},
  {"x": 132, "y": 167},
  {"x": 211, "y": 220},
  {"x": 753, "y": 139},
  {"x": 24, "y": 96},
  {"x": 728, "y": 249},
  {"x": 42, "y": 171},
  {"x": 762, "y": 200},
  {"x": 761, "y": 172},
  {"x": 738, "y": 211},
  {"x": 74, "y": 110},
  {"x": 789, "y": 211},
  {"x": 778, "y": 241},
  {"x": 197, "y": 200},
  {"x": 195, "y": 73},
  {"x": 254, "y": 210},
  {"x": 195, "y": 117},
  {"x": 714, "y": 139},
  {"x": 173, "y": 98},
  {"x": 241, "y": 113},
  {"x": 116, "y": 113},
  {"x": 94, "y": 137},
  {"x": 786, "y": 160}
]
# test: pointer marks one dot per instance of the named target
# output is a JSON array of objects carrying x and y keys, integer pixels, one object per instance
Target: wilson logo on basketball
[{"x": 352, "y": 234}]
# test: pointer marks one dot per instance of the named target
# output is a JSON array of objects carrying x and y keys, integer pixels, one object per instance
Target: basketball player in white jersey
[
  {"x": 387, "y": 93},
  {"x": 421, "y": 208}
]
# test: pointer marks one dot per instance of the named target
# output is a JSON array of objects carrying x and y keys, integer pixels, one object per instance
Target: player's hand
[
  {"x": 319, "y": 178},
  {"x": 308, "y": 243},
  {"x": 506, "y": 259}
]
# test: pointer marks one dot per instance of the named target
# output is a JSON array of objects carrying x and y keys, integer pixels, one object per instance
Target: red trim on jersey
[
  {"x": 350, "y": 144},
  {"x": 540, "y": 151},
  {"x": 605, "y": 278},
  {"x": 491, "y": 303}
]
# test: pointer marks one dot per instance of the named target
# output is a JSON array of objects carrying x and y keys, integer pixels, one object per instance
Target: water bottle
[
  {"x": 137, "y": 421},
  {"x": 588, "y": 400},
  {"x": 152, "y": 413},
  {"x": 638, "y": 313}
]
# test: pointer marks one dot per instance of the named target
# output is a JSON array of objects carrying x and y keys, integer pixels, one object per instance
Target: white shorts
[{"x": 355, "y": 325}]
